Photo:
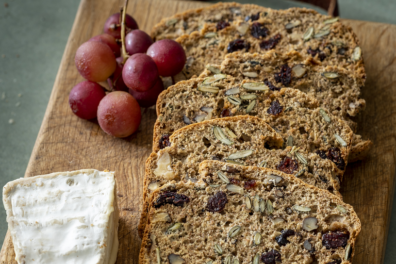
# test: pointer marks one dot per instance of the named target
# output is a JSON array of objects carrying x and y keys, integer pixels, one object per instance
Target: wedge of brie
[{"x": 65, "y": 217}]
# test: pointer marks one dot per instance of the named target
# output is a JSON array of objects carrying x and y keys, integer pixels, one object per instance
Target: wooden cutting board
[{"x": 67, "y": 143}]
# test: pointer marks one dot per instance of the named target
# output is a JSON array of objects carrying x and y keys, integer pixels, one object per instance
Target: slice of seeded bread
[
  {"x": 194, "y": 19},
  {"x": 262, "y": 216},
  {"x": 255, "y": 144},
  {"x": 292, "y": 113}
]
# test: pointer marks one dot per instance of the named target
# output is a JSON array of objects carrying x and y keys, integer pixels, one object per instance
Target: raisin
[
  {"x": 275, "y": 108},
  {"x": 226, "y": 112},
  {"x": 259, "y": 30},
  {"x": 249, "y": 184},
  {"x": 321, "y": 154},
  {"x": 341, "y": 51},
  {"x": 253, "y": 17},
  {"x": 271, "y": 43},
  {"x": 235, "y": 181},
  {"x": 238, "y": 44},
  {"x": 284, "y": 76},
  {"x": 271, "y": 86},
  {"x": 321, "y": 54},
  {"x": 171, "y": 198},
  {"x": 282, "y": 238},
  {"x": 332, "y": 240},
  {"x": 271, "y": 257},
  {"x": 217, "y": 202},
  {"x": 222, "y": 24},
  {"x": 336, "y": 261},
  {"x": 334, "y": 154},
  {"x": 215, "y": 157},
  {"x": 288, "y": 165},
  {"x": 164, "y": 141},
  {"x": 231, "y": 170}
]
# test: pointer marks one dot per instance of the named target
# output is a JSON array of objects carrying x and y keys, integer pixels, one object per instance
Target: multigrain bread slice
[
  {"x": 292, "y": 113},
  {"x": 255, "y": 144},
  {"x": 194, "y": 19},
  {"x": 278, "y": 219}
]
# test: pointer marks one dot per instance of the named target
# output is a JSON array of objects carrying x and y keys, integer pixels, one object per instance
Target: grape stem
[{"x": 124, "y": 54}]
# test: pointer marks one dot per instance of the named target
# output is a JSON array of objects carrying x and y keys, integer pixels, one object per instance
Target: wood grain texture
[{"x": 66, "y": 142}]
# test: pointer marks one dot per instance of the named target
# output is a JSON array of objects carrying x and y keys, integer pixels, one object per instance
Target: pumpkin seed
[
  {"x": 214, "y": 78},
  {"x": 209, "y": 262},
  {"x": 289, "y": 141},
  {"x": 174, "y": 227},
  {"x": 292, "y": 24},
  {"x": 208, "y": 89},
  {"x": 340, "y": 140},
  {"x": 251, "y": 106},
  {"x": 232, "y": 91},
  {"x": 234, "y": 231},
  {"x": 171, "y": 22},
  {"x": 324, "y": 114},
  {"x": 310, "y": 223},
  {"x": 230, "y": 133},
  {"x": 357, "y": 54},
  {"x": 341, "y": 209},
  {"x": 248, "y": 202},
  {"x": 242, "y": 28},
  {"x": 262, "y": 205},
  {"x": 256, "y": 259},
  {"x": 235, "y": 188},
  {"x": 289, "y": 108},
  {"x": 227, "y": 260},
  {"x": 331, "y": 75},
  {"x": 241, "y": 154},
  {"x": 161, "y": 217},
  {"x": 275, "y": 179},
  {"x": 300, "y": 172},
  {"x": 347, "y": 251},
  {"x": 186, "y": 120},
  {"x": 255, "y": 86},
  {"x": 248, "y": 96},
  {"x": 157, "y": 251},
  {"x": 301, "y": 158},
  {"x": 256, "y": 203},
  {"x": 235, "y": 162},
  {"x": 206, "y": 109},
  {"x": 200, "y": 118},
  {"x": 214, "y": 185},
  {"x": 301, "y": 208},
  {"x": 219, "y": 134},
  {"x": 308, "y": 33},
  {"x": 250, "y": 74},
  {"x": 235, "y": 261},
  {"x": 322, "y": 33},
  {"x": 257, "y": 238},
  {"x": 233, "y": 100},
  {"x": 213, "y": 69},
  {"x": 270, "y": 207},
  {"x": 223, "y": 177},
  {"x": 262, "y": 164},
  {"x": 330, "y": 21},
  {"x": 278, "y": 220},
  {"x": 218, "y": 249},
  {"x": 298, "y": 70},
  {"x": 210, "y": 35}
]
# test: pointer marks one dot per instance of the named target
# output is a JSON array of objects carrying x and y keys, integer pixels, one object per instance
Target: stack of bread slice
[{"x": 251, "y": 144}]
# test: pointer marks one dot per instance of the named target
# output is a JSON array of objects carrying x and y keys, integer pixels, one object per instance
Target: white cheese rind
[{"x": 66, "y": 217}]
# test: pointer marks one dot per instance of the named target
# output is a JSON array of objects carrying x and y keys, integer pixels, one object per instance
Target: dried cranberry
[
  {"x": 321, "y": 154},
  {"x": 271, "y": 86},
  {"x": 253, "y": 17},
  {"x": 282, "y": 238},
  {"x": 284, "y": 76},
  {"x": 171, "y": 198},
  {"x": 231, "y": 170},
  {"x": 336, "y": 261},
  {"x": 259, "y": 30},
  {"x": 334, "y": 154},
  {"x": 222, "y": 24},
  {"x": 226, "y": 112},
  {"x": 275, "y": 108},
  {"x": 249, "y": 184},
  {"x": 235, "y": 181},
  {"x": 164, "y": 141},
  {"x": 271, "y": 257},
  {"x": 288, "y": 165},
  {"x": 238, "y": 44},
  {"x": 217, "y": 202},
  {"x": 271, "y": 43},
  {"x": 335, "y": 239},
  {"x": 321, "y": 54}
]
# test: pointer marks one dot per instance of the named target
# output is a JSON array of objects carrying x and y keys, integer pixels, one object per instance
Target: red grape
[
  {"x": 95, "y": 61},
  {"x": 140, "y": 72},
  {"x": 110, "y": 41},
  {"x": 148, "y": 98},
  {"x": 112, "y": 25},
  {"x": 137, "y": 41},
  {"x": 84, "y": 99},
  {"x": 168, "y": 55},
  {"x": 115, "y": 81},
  {"x": 119, "y": 114}
]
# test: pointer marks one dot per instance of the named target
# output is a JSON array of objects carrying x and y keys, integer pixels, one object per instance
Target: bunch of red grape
[{"x": 133, "y": 76}]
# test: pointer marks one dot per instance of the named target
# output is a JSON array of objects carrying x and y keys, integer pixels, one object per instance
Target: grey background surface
[{"x": 33, "y": 38}]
